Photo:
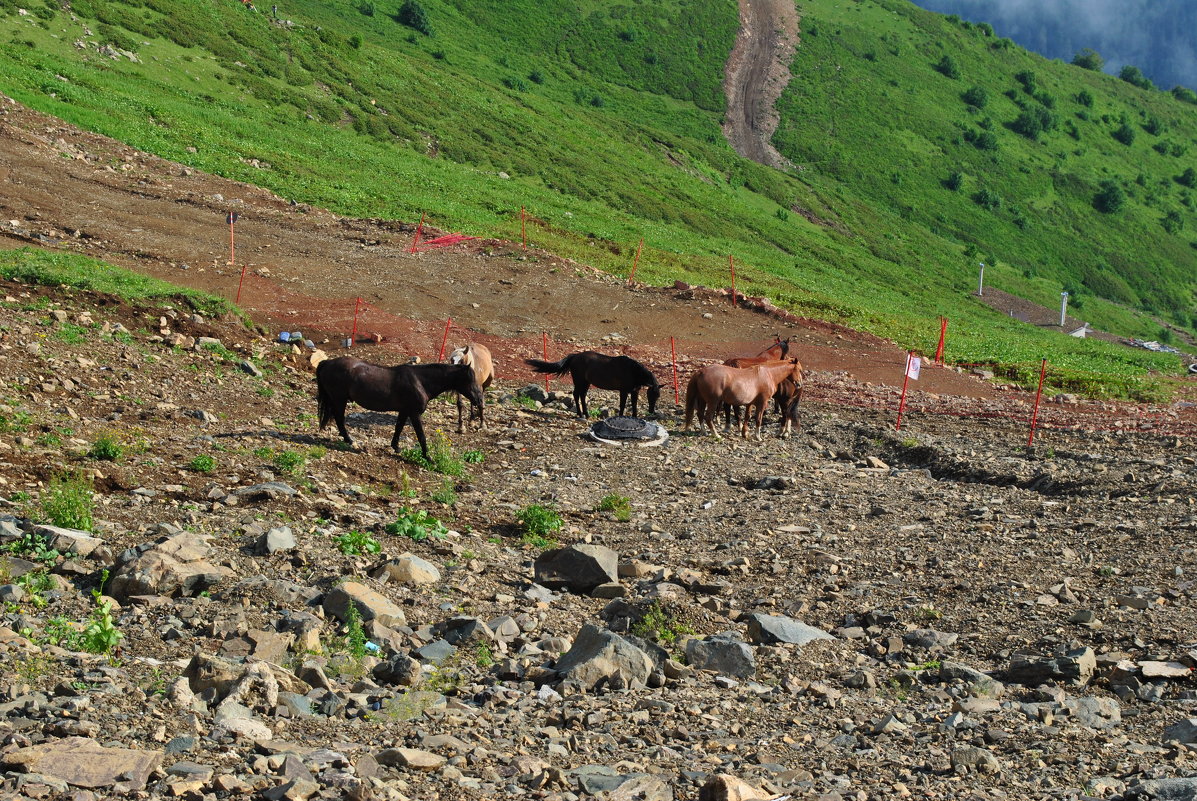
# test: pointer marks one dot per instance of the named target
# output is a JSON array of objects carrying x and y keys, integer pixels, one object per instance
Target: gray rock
[
  {"x": 1163, "y": 790},
  {"x": 249, "y": 367},
  {"x": 639, "y": 787},
  {"x": 1183, "y": 732},
  {"x": 300, "y": 706},
  {"x": 83, "y": 762},
  {"x": 457, "y": 630},
  {"x": 399, "y": 669},
  {"x": 1096, "y": 713},
  {"x": 68, "y": 540},
  {"x": 595, "y": 779},
  {"x": 930, "y": 638},
  {"x": 265, "y": 491},
  {"x": 412, "y": 758},
  {"x": 579, "y": 568},
  {"x": 766, "y": 629},
  {"x": 435, "y": 652},
  {"x": 724, "y": 653},
  {"x": 408, "y": 568},
  {"x": 980, "y": 684},
  {"x": 276, "y": 539},
  {"x": 371, "y": 604},
  {"x": 601, "y": 659},
  {"x": 11, "y": 593},
  {"x": 1075, "y": 667},
  {"x": 976, "y": 760},
  {"x": 173, "y": 565}
]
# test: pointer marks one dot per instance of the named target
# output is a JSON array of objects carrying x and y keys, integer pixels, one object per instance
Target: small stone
[{"x": 413, "y": 758}]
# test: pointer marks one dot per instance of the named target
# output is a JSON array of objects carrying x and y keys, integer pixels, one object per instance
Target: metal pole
[
  {"x": 1063, "y": 308},
  {"x": 239, "y": 283},
  {"x": 523, "y": 228},
  {"x": 415, "y": 243},
  {"x": 444, "y": 340},
  {"x": 905, "y": 382},
  {"x": 731, "y": 263},
  {"x": 232, "y": 242},
  {"x": 981, "y": 280},
  {"x": 636, "y": 261},
  {"x": 544, "y": 341},
  {"x": 1038, "y": 395},
  {"x": 943, "y": 330},
  {"x": 356, "y": 307},
  {"x": 677, "y": 398}
]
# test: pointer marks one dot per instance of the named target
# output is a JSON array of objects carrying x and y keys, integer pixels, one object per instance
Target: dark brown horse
[
  {"x": 718, "y": 384},
  {"x": 405, "y": 389},
  {"x": 590, "y": 368}
]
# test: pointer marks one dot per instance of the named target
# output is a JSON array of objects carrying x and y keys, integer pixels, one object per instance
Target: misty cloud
[{"x": 1154, "y": 35}]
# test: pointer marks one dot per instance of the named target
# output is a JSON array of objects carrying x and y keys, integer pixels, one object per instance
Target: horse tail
[
  {"x": 691, "y": 400},
  {"x": 553, "y": 368},
  {"x": 324, "y": 403}
]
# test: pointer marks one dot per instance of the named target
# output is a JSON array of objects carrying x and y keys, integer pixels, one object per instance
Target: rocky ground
[{"x": 852, "y": 613}]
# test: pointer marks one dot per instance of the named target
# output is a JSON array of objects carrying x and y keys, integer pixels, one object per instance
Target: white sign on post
[{"x": 912, "y": 367}]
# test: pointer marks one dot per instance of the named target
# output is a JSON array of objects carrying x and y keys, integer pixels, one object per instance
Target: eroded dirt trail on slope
[{"x": 756, "y": 74}]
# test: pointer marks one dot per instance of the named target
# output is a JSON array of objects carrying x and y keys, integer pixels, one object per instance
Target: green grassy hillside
[{"x": 605, "y": 117}]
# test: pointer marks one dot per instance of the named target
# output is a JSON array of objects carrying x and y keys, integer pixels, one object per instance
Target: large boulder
[
  {"x": 180, "y": 564},
  {"x": 579, "y": 568},
  {"x": 408, "y": 568},
  {"x": 82, "y": 762},
  {"x": 1183, "y": 732},
  {"x": 1074, "y": 667},
  {"x": 1162, "y": 790},
  {"x": 371, "y": 604},
  {"x": 725, "y": 654},
  {"x": 601, "y": 659},
  {"x": 767, "y": 629}
]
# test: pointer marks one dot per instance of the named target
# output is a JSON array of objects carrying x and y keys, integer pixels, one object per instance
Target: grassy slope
[{"x": 606, "y": 116}]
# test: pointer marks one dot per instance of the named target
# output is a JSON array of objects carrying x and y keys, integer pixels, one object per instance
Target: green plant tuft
[{"x": 417, "y": 525}]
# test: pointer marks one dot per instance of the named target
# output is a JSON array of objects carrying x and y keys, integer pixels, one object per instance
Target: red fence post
[
  {"x": 731, "y": 263},
  {"x": 232, "y": 240},
  {"x": 239, "y": 283},
  {"x": 905, "y": 382},
  {"x": 943, "y": 330},
  {"x": 444, "y": 340},
  {"x": 636, "y": 261},
  {"x": 1038, "y": 395},
  {"x": 415, "y": 243},
  {"x": 544, "y": 341},
  {"x": 677, "y": 398},
  {"x": 356, "y": 307},
  {"x": 524, "y": 227}
]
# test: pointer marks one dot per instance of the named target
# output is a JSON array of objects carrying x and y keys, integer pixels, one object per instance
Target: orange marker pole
[
  {"x": 1038, "y": 395},
  {"x": 419, "y": 229},
  {"x": 524, "y": 227},
  {"x": 905, "y": 382},
  {"x": 636, "y": 261},
  {"x": 356, "y": 308},
  {"x": 943, "y": 330},
  {"x": 239, "y": 283},
  {"x": 444, "y": 340},
  {"x": 232, "y": 242},
  {"x": 677, "y": 398},
  {"x": 544, "y": 338}
]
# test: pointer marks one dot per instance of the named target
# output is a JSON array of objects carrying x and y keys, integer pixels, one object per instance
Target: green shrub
[
  {"x": 441, "y": 458},
  {"x": 202, "y": 464},
  {"x": 975, "y": 96},
  {"x": 33, "y": 546},
  {"x": 413, "y": 15},
  {"x": 988, "y": 199},
  {"x": 1124, "y": 134},
  {"x": 619, "y": 506},
  {"x": 106, "y": 448},
  {"x": 289, "y": 462},
  {"x": 537, "y": 524},
  {"x": 1184, "y": 94},
  {"x": 947, "y": 66},
  {"x": 417, "y": 525},
  {"x": 1089, "y": 59},
  {"x": 1111, "y": 199},
  {"x": 1085, "y": 98},
  {"x": 1135, "y": 77},
  {"x": 658, "y": 625},
  {"x": 357, "y": 543},
  {"x": 473, "y": 457},
  {"x": 67, "y": 501},
  {"x": 446, "y": 494},
  {"x": 1188, "y": 178},
  {"x": 1172, "y": 222}
]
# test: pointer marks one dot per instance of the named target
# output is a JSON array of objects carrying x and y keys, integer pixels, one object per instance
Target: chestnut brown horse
[
  {"x": 479, "y": 359},
  {"x": 590, "y": 368},
  {"x": 789, "y": 391},
  {"x": 718, "y": 384},
  {"x": 406, "y": 389}
]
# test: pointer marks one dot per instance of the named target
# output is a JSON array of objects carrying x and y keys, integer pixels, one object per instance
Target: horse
[
  {"x": 589, "y": 368},
  {"x": 478, "y": 358},
  {"x": 718, "y": 384},
  {"x": 789, "y": 391},
  {"x": 780, "y": 349},
  {"x": 405, "y": 388}
]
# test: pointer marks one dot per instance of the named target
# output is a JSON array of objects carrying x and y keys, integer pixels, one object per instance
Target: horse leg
[
  {"x": 460, "y": 422},
  {"x": 418, "y": 425},
  {"x": 398, "y": 429},
  {"x": 760, "y": 416},
  {"x": 580, "y": 405},
  {"x": 339, "y": 419}
]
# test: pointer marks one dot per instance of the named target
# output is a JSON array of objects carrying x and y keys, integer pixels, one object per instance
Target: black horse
[
  {"x": 405, "y": 389},
  {"x": 590, "y": 368}
]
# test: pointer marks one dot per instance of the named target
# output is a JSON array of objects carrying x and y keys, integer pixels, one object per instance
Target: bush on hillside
[
  {"x": 1028, "y": 81},
  {"x": 988, "y": 199},
  {"x": 1153, "y": 125},
  {"x": 1172, "y": 222},
  {"x": 1088, "y": 58},
  {"x": 1124, "y": 134},
  {"x": 1188, "y": 178},
  {"x": 1033, "y": 121},
  {"x": 1111, "y": 199},
  {"x": 947, "y": 66},
  {"x": 1085, "y": 98},
  {"x": 975, "y": 96},
  {"x": 1184, "y": 94},
  {"x": 1135, "y": 77},
  {"x": 981, "y": 140},
  {"x": 413, "y": 15}
]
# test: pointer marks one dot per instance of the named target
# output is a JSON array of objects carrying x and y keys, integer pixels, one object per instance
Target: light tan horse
[
  {"x": 789, "y": 391},
  {"x": 718, "y": 384},
  {"x": 479, "y": 360}
]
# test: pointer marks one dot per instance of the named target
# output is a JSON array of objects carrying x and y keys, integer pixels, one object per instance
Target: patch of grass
[
  {"x": 537, "y": 524},
  {"x": 289, "y": 462},
  {"x": 357, "y": 543},
  {"x": 473, "y": 457},
  {"x": 446, "y": 494},
  {"x": 658, "y": 625},
  {"x": 619, "y": 506},
  {"x": 67, "y": 501},
  {"x": 441, "y": 458},
  {"x": 527, "y": 402},
  {"x": 14, "y": 421},
  {"x": 202, "y": 464},
  {"x": 71, "y": 334},
  {"x": 417, "y": 525},
  {"x": 106, "y": 447},
  {"x": 32, "y": 545}
]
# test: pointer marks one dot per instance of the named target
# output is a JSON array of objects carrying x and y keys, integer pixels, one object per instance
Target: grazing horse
[
  {"x": 589, "y": 368},
  {"x": 478, "y": 358},
  {"x": 718, "y": 384},
  {"x": 789, "y": 391},
  {"x": 406, "y": 389}
]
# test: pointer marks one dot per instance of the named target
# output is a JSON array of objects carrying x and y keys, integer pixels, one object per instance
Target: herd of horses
[{"x": 739, "y": 384}]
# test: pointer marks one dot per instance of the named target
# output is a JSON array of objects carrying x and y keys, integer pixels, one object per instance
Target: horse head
[
  {"x": 460, "y": 355},
  {"x": 654, "y": 392}
]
